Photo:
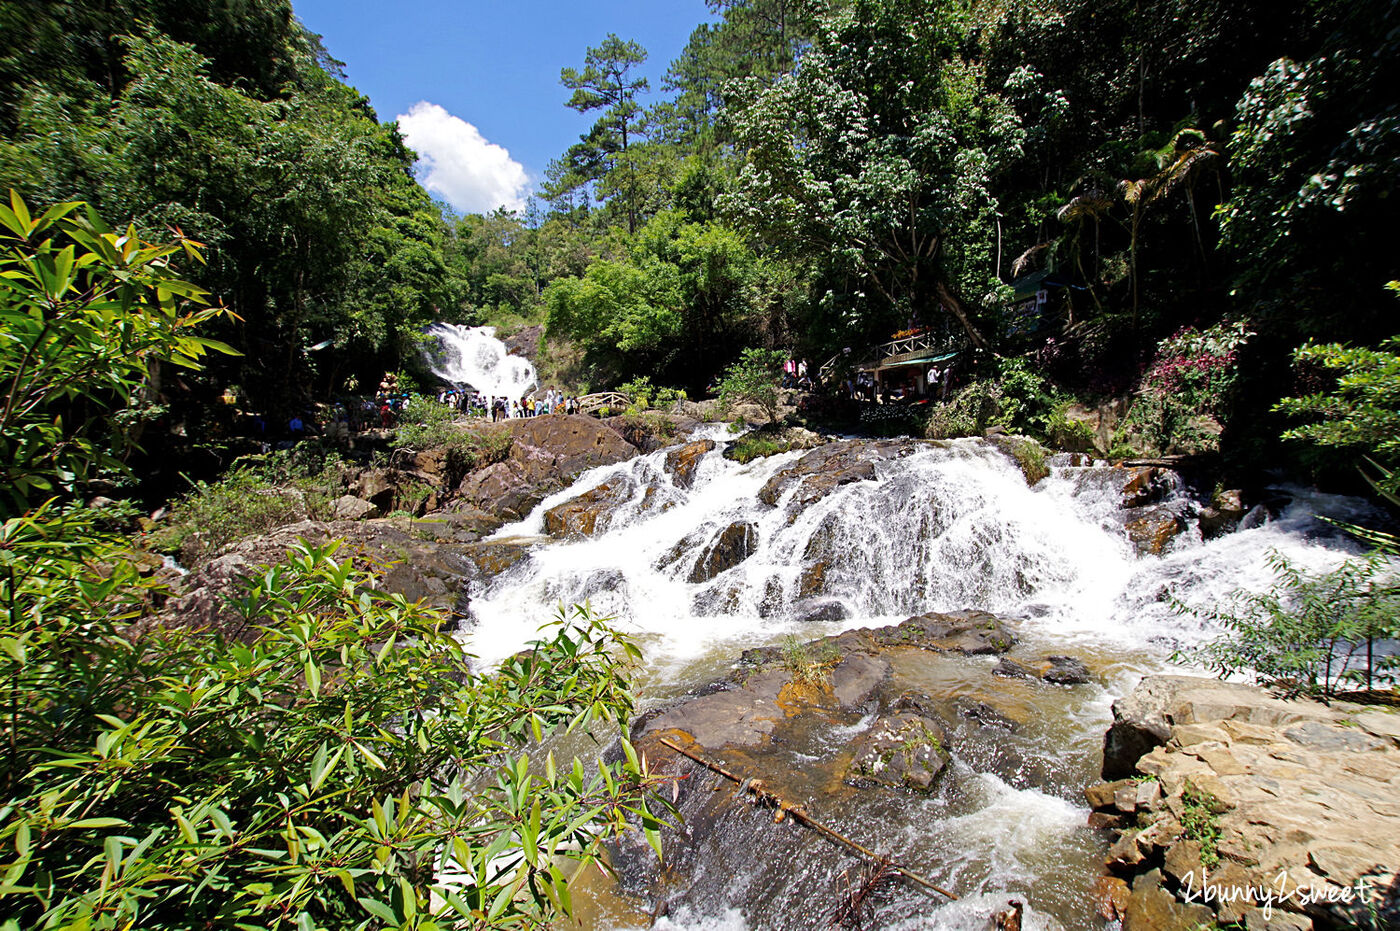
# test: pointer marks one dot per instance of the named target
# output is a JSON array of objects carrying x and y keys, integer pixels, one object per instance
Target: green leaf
[
  {"x": 98, "y": 823},
  {"x": 379, "y": 910}
]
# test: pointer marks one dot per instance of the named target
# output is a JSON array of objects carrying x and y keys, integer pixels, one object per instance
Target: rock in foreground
[{"x": 1231, "y": 805}]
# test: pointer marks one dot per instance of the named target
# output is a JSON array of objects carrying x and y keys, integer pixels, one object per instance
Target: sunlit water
[
  {"x": 473, "y": 356},
  {"x": 952, "y": 526}
]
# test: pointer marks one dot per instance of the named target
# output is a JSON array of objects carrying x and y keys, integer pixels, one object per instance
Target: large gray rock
[
  {"x": 546, "y": 454},
  {"x": 1258, "y": 788},
  {"x": 349, "y": 507},
  {"x": 828, "y": 467},
  {"x": 902, "y": 751}
]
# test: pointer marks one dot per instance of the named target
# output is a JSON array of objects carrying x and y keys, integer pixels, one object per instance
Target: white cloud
[{"x": 457, "y": 163}]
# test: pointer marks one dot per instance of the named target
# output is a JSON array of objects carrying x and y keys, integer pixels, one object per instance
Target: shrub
[
  {"x": 638, "y": 428},
  {"x": 85, "y": 313},
  {"x": 755, "y": 445},
  {"x": 333, "y": 773},
  {"x": 252, "y": 498},
  {"x": 1312, "y": 632},
  {"x": 646, "y": 396},
  {"x": 809, "y": 664},
  {"x": 327, "y": 775},
  {"x": 426, "y": 424},
  {"x": 1360, "y": 413},
  {"x": 1075, "y": 436},
  {"x": 1193, "y": 376},
  {"x": 967, "y": 413},
  {"x": 1013, "y": 397},
  {"x": 754, "y": 378}
]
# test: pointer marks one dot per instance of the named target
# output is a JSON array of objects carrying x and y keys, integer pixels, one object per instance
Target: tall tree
[
  {"x": 606, "y": 83},
  {"x": 875, "y": 162}
]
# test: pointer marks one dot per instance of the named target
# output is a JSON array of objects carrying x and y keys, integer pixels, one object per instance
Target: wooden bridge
[{"x": 592, "y": 403}]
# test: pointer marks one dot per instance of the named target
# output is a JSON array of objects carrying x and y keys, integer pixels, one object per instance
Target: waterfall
[
  {"x": 939, "y": 527},
  {"x": 473, "y": 356},
  {"x": 952, "y": 526}
]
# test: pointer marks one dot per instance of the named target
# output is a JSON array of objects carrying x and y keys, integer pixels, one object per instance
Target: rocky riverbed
[
  {"x": 915, "y": 642},
  {"x": 1230, "y": 805}
]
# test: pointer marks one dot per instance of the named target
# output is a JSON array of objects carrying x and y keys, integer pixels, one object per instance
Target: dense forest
[{"x": 810, "y": 176}]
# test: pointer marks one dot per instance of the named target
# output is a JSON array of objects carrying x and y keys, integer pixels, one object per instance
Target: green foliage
[
  {"x": 686, "y": 293},
  {"x": 968, "y": 413},
  {"x": 1072, "y": 435},
  {"x": 755, "y": 445},
  {"x": 315, "y": 227},
  {"x": 1314, "y": 154},
  {"x": 1012, "y": 396},
  {"x": 1360, "y": 412},
  {"x": 603, "y": 156},
  {"x": 324, "y": 774},
  {"x": 87, "y": 315},
  {"x": 645, "y": 395},
  {"x": 426, "y": 424},
  {"x": 1026, "y": 403},
  {"x": 1312, "y": 632},
  {"x": 875, "y": 163},
  {"x": 755, "y": 379},
  {"x": 1200, "y": 822},
  {"x": 246, "y": 501}
]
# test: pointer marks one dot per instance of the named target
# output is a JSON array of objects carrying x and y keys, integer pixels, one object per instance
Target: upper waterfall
[{"x": 465, "y": 355}]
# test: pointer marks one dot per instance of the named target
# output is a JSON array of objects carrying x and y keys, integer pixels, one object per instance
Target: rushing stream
[{"x": 949, "y": 527}]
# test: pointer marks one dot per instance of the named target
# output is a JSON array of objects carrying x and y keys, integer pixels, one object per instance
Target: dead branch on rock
[
  {"x": 763, "y": 796},
  {"x": 875, "y": 882}
]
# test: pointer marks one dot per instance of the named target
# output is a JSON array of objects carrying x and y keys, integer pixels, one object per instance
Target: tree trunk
[{"x": 952, "y": 305}]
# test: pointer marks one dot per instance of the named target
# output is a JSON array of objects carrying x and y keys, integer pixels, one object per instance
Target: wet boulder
[
  {"x": 1222, "y": 515},
  {"x": 586, "y": 514},
  {"x": 1151, "y": 529},
  {"x": 492, "y": 558},
  {"x": 903, "y": 751},
  {"x": 1064, "y": 670},
  {"x": 730, "y": 546},
  {"x": 1147, "y": 485},
  {"x": 682, "y": 462},
  {"x": 1010, "y": 669},
  {"x": 828, "y": 467},
  {"x": 820, "y": 609},
  {"x": 968, "y": 632},
  {"x": 812, "y": 581}
]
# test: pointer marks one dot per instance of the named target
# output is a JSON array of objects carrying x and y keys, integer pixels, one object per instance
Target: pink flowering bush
[{"x": 1187, "y": 387}]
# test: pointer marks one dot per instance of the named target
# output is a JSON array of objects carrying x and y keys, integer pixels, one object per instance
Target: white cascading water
[
  {"x": 952, "y": 526},
  {"x": 466, "y": 355}
]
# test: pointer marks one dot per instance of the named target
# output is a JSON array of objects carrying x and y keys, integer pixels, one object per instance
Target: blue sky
[{"x": 484, "y": 77}]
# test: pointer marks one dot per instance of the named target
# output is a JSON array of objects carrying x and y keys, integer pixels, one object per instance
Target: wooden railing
[
  {"x": 594, "y": 402},
  {"x": 895, "y": 347}
]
